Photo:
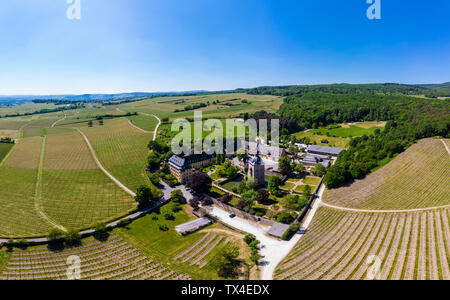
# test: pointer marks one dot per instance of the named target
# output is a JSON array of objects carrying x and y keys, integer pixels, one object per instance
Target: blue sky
[{"x": 175, "y": 45}]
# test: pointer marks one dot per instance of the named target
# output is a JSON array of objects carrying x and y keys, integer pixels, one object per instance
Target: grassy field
[
  {"x": 339, "y": 245},
  {"x": 28, "y": 107},
  {"x": 4, "y": 150},
  {"x": 165, "y": 106},
  {"x": 147, "y": 123},
  {"x": 350, "y": 130},
  {"x": 417, "y": 178},
  {"x": 75, "y": 193},
  {"x": 340, "y": 142},
  {"x": 26, "y": 154}
]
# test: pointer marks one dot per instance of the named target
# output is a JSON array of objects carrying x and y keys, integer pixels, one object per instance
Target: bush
[
  {"x": 168, "y": 215},
  {"x": 175, "y": 207},
  {"x": 72, "y": 238},
  {"x": 124, "y": 223},
  {"x": 285, "y": 217},
  {"x": 55, "y": 234},
  {"x": 249, "y": 238},
  {"x": 163, "y": 227},
  {"x": 290, "y": 232},
  {"x": 154, "y": 216}
]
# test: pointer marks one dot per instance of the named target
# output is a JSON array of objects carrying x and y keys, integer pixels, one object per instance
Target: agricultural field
[
  {"x": 344, "y": 245},
  {"x": 417, "y": 178},
  {"x": 122, "y": 150},
  {"x": 4, "y": 150},
  {"x": 75, "y": 193},
  {"x": 114, "y": 259},
  {"x": 188, "y": 254},
  {"x": 28, "y": 107},
  {"x": 229, "y": 105}
]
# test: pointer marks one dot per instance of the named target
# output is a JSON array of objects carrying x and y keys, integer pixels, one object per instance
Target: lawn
[
  {"x": 147, "y": 123},
  {"x": 287, "y": 186},
  {"x": 311, "y": 180},
  {"x": 340, "y": 142},
  {"x": 350, "y": 130}
]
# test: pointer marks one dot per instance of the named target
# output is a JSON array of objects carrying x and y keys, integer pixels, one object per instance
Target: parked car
[{"x": 232, "y": 216}]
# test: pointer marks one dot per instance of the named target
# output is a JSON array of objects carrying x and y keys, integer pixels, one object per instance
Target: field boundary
[
  {"x": 446, "y": 147},
  {"x": 38, "y": 190},
  {"x": 384, "y": 211},
  {"x": 7, "y": 154}
]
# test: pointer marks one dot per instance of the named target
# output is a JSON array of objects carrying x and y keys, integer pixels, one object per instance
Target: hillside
[{"x": 417, "y": 178}]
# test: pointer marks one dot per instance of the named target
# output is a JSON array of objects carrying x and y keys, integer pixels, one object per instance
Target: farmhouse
[
  {"x": 322, "y": 150},
  {"x": 182, "y": 167}
]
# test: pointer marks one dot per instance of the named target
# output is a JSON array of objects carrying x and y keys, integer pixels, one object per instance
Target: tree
[
  {"x": 249, "y": 197},
  {"x": 263, "y": 196},
  {"x": 158, "y": 146},
  {"x": 144, "y": 196},
  {"x": 319, "y": 170},
  {"x": 249, "y": 238},
  {"x": 306, "y": 189},
  {"x": 285, "y": 217},
  {"x": 101, "y": 122},
  {"x": 200, "y": 182},
  {"x": 284, "y": 165},
  {"x": 300, "y": 168},
  {"x": 153, "y": 160},
  {"x": 224, "y": 262},
  {"x": 55, "y": 234},
  {"x": 194, "y": 203},
  {"x": 274, "y": 185},
  {"x": 72, "y": 238},
  {"x": 177, "y": 197},
  {"x": 335, "y": 176},
  {"x": 90, "y": 123},
  {"x": 226, "y": 199}
]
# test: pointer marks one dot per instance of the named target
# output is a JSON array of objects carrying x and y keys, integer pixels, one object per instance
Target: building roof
[
  {"x": 266, "y": 150},
  {"x": 256, "y": 160},
  {"x": 326, "y": 150},
  {"x": 184, "y": 162},
  {"x": 278, "y": 229}
]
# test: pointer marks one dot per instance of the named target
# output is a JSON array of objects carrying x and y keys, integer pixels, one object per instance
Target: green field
[
  {"x": 147, "y": 123},
  {"x": 165, "y": 106},
  {"x": 347, "y": 130},
  {"x": 340, "y": 142}
]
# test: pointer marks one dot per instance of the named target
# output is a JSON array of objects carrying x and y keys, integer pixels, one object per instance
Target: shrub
[
  {"x": 163, "y": 227},
  {"x": 168, "y": 215},
  {"x": 290, "y": 232},
  {"x": 285, "y": 217},
  {"x": 55, "y": 234},
  {"x": 124, "y": 223},
  {"x": 72, "y": 238},
  {"x": 249, "y": 238},
  {"x": 176, "y": 207},
  {"x": 100, "y": 228}
]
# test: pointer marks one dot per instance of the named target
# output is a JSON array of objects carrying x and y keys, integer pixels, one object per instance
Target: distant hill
[
  {"x": 10, "y": 100},
  {"x": 432, "y": 90}
]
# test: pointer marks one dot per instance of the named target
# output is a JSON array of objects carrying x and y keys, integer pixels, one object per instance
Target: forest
[{"x": 409, "y": 119}]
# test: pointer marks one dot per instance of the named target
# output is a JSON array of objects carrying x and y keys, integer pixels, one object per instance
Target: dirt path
[
  {"x": 446, "y": 147},
  {"x": 54, "y": 124},
  {"x": 38, "y": 191},
  {"x": 94, "y": 156}
]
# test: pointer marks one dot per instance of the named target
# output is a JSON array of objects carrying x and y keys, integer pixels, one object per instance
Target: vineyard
[
  {"x": 198, "y": 254},
  {"x": 342, "y": 245},
  {"x": 417, "y": 178},
  {"x": 111, "y": 260},
  {"x": 122, "y": 150}
]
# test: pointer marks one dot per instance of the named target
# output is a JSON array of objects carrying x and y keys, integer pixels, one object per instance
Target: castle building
[{"x": 183, "y": 167}]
